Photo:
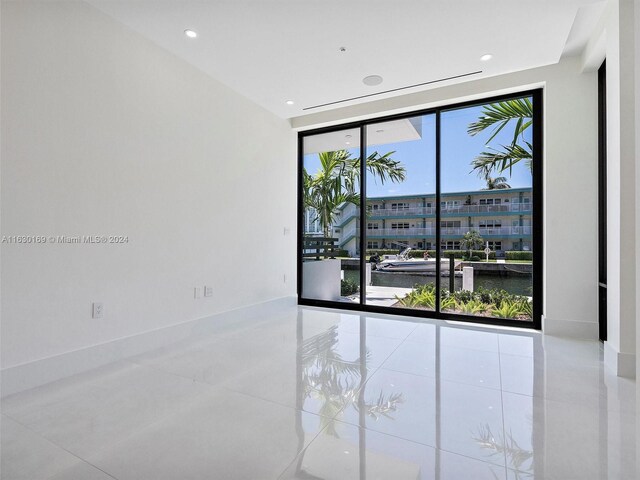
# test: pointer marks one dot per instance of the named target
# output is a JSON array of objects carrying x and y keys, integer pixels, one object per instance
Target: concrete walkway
[{"x": 382, "y": 296}]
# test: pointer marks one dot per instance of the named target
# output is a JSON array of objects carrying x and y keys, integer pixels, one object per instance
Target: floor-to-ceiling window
[
  {"x": 400, "y": 187},
  {"x": 330, "y": 213},
  {"x": 436, "y": 213}
]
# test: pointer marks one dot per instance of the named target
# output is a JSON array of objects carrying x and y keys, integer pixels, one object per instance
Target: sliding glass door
[
  {"x": 400, "y": 223},
  {"x": 486, "y": 187},
  {"x": 435, "y": 214}
]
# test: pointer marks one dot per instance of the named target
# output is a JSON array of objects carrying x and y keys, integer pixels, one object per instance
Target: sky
[{"x": 458, "y": 149}]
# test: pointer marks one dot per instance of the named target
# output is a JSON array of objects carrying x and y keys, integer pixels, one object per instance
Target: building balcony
[
  {"x": 405, "y": 212},
  {"x": 452, "y": 210},
  {"x": 453, "y": 231},
  {"x": 502, "y": 208}
]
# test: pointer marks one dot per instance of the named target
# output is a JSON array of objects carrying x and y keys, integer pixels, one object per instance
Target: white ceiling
[{"x": 272, "y": 51}]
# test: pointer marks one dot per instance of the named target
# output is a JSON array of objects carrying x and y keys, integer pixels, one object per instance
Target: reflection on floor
[{"x": 315, "y": 394}]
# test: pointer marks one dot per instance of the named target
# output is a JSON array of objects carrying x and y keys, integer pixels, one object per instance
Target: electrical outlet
[
  {"x": 98, "y": 310},
  {"x": 208, "y": 291},
  {"x": 196, "y": 292}
]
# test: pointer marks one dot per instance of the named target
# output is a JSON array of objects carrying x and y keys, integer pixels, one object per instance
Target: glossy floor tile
[
  {"x": 354, "y": 450},
  {"x": 309, "y": 393}
]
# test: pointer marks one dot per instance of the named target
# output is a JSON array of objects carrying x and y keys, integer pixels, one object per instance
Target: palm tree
[
  {"x": 497, "y": 183},
  {"x": 498, "y": 116},
  {"x": 471, "y": 240},
  {"x": 337, "y": 180}
]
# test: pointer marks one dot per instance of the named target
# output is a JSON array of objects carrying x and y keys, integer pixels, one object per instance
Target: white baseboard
[
  {"x": 620, "y": 363},
  {"x": 33, "y": 374},
  {"x": 570, "y": 328}
]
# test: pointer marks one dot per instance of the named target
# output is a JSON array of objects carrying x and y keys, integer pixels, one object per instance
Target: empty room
[{"x": 302, "y": 239}]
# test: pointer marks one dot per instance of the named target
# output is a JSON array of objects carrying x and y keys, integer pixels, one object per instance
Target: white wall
[
  {"x": 105, "y": 133},
  {"x": 614, "y": 40},
  {"x": 621, "y": 201},
  {"x": 637, "y": 189},
  {"x": 570, "y": 178}
]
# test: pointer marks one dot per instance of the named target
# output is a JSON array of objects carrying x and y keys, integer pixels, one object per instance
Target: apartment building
[{"x": 501, "y": 216}]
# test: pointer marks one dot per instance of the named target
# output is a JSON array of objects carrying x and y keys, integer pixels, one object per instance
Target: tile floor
[{"x": 315, "y": 394}]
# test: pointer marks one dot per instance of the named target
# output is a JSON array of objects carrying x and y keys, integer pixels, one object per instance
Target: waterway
[{"x": 516, "y": 284}]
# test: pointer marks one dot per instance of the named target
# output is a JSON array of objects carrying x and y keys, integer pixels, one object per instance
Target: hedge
[
  {"x": 509, "y": 255},
  {"x": 432, "y": 253},
  {"x": 517, "y": 255}
]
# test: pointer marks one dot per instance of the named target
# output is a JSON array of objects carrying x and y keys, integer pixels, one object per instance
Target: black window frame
[{"x": 536, "y": 213}]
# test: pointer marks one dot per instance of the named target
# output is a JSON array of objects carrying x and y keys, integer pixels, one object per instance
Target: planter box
[{"x": 321, "y": 280}]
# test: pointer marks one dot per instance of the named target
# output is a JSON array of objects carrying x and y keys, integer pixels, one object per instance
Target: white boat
[{"x": 403, "y": 263}]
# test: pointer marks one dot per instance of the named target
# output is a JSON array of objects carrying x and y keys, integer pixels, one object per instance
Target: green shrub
[
  {"x": 472, "y": 307},
  {"x": 418, "y": 253},
  {"x": 420, "y": 296},
  {"x": 347, "y": 287},
  {"x": 495, "y": 302},
  {"x": 463, "y": 254},
  {"x": 507, "y": 309},
  {"x": 517, "y": 255},
  {"x": 382, "y": 252},
  {"x": 462, "y": 296},
  {"x": 447, "y": 303},
  {"x": 525, "y": 307},
  {"x": 496, "y": 296}
]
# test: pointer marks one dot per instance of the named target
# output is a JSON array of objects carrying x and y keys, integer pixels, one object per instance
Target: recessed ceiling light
[
  {"x": 486, "y": 57},
  {"x": 290, "y": 102},
  {"x": 379, "y": 131},
  {"x": 343, "y": 49},
  {"x": 372, "y": 80},
  {"x": 347, "y": 136},
  {"x": 348, "y": 143},
  {"x": 191, "y": 33}
]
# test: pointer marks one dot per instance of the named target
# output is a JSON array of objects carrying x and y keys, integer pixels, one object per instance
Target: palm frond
[
  {"x": 337, "y": 182},
  {"x": 496, "y": 183},
  {"x": 501, "y": 161},
  {"x": 498, "y": 115}
]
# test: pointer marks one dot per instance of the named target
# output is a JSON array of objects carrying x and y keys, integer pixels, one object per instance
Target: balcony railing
[
  {"x": 384, "y": 212},
  {"x": 452, "y": 210},
  {"x": 505, "y": 207},
  {"x": 349, "y": 232},
  {"x": 451, "y": 231}
]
